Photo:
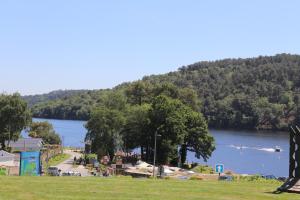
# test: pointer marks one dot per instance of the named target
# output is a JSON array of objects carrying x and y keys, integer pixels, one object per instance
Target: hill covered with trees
[
  {"x": 54, "y": 95},
  {"x": 253, "y": 93}
]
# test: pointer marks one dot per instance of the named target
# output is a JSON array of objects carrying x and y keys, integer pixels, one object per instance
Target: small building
[
  {"x": 6, "y": 159},
  {"x": 26, "y": 144}
]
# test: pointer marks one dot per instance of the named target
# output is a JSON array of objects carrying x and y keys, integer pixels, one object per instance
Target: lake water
[
  {"x": 246, "y": 152},
  {"x": 72, "y": 132}
]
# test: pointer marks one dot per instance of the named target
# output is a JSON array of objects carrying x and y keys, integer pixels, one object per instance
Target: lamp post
[{"x": 155, "y": 145}]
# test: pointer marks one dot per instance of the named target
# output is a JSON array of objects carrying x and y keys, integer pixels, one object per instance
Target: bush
[
  {"x": 228, "y": 172},
  {"x": 251, "y": 178},
  {"x": 196, "y": 178},
  {"x": 2, "y": 171},
  {"x": 203, "y": 169},
  {"x": 254, "y": 178},
  {"x": 89, "y": 158}
]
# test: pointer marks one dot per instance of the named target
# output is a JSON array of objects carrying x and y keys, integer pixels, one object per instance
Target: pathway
[{"x": 67, "y": 165}]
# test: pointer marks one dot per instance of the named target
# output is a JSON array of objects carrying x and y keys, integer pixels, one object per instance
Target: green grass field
[{"x": 75, "y": 188}]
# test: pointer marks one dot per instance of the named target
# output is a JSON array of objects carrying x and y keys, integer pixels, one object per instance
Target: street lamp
[{"x": 155, "y": 145}]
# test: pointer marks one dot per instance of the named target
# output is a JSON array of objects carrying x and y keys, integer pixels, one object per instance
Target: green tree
[
  {"x": 197, "y": 139},
  {"x": 135, "y": 131},
  {"x": 268, "y": 113},
  {"x": 179, "y": 126},
  {"x": 167, "y": 118},
  {"x": 104, "y": 129},
  {"x": 45, "y": 131},
  {"x": 14, "y": 117},
  {"x": 138, "y": 93},
  {"x": 115, "y": 100}
]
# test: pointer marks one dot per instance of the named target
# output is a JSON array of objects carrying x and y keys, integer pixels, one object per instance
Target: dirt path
[{"x": 67, "y": 165}]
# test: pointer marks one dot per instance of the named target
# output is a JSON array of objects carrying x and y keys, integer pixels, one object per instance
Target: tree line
[
  {"x": 253, "y": 93},
  {"x": 130, "y": 119}
]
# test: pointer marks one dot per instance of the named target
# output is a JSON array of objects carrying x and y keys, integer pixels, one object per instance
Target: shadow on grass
[
  {"x": 278, "y": 192},
  {"x": 274, "y": 192}
]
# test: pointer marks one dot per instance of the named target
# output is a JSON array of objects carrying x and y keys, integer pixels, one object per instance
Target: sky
[{"x": 74, "y": 44}]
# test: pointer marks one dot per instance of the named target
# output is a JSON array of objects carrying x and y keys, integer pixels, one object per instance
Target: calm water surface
[
  {"x": 250, "y": 152},
  {"x": 241, "y": 151}
]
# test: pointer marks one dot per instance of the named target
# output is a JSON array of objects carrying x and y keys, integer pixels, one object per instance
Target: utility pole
[
  {"x": 155, "y": 148},
  {"x": 154, "y": 159}
]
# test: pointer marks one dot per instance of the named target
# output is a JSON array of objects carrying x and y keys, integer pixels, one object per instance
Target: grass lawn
[
  {"x": 58, "y": 159},
  {"x": 75, "y": 188}
]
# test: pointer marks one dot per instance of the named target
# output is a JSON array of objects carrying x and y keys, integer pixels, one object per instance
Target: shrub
[
  {"x": 203, "y": 169},
  {"x": 228, "y": 172},
  {"x": 196, "y": 178}
]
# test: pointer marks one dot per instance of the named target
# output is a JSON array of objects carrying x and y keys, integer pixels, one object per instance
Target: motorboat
[{"x": 277, "y": 149}]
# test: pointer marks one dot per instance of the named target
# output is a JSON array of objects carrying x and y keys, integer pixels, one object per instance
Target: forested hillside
[
  {"x": 59, "y": 94},
  {"x": 261, "y": 93}
]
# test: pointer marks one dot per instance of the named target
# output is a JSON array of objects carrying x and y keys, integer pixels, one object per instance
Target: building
[
  {"x": 26, "y": 144},
  {"x": 6, "y": 159}
]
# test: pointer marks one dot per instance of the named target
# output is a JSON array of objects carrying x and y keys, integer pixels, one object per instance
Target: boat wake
[
  {"x": 266, "y": 149},
  {"x": 271, "y": 150},
  {"x": 238, "y": 147}
]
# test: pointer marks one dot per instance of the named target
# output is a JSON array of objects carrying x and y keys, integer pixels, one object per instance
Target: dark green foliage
[
  {"x": 245, "y": 93},
  {"x": 104, "y": 129},
  {"x": 59, "y": 94},
  {"x": 197, "y": 138},
  {"x": 134, "y": 126},
  {"x": 203, "y": 169},
  {"x": 135, "y": 132},
  {"x": 45, "y": 131},
  {"x": 14, "y": 117},
  {"x": 260, "y": 93},
  {"x": 76, "y": 107},
  {"x": 167, "y": 117}
]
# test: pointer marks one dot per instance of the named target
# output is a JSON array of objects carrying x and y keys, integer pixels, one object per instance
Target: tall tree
[
  {"x": 179, "y": 126},
  {"x": 197, "y": 139},
  {"x": 167, "y": 119},
  {"x": 135, "y": 131},
  {"x": 104, "y": 129},
  {"x": 14, "y": 117}
]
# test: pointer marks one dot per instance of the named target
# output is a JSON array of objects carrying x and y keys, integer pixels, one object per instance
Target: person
[
  {"x": 106, "y": 173},
  {"x": 75, "y": 159}
]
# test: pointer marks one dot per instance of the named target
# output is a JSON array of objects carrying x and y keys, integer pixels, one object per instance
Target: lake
[{"x": 246, "y": 152}]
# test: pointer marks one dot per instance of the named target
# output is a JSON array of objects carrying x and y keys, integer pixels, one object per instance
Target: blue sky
[{"x": 69, "y": 44}]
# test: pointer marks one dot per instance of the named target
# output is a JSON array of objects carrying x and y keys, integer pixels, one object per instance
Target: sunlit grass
[
  {"x": 76, "y": 188},
  {"x": 58, "y": 159}
]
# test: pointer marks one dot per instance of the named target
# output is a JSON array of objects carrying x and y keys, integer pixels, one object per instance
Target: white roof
[
  {"x": 6, "y": 158},
  {"x": 27, "y": 143},
  {"x": 6, "y": 154}
]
